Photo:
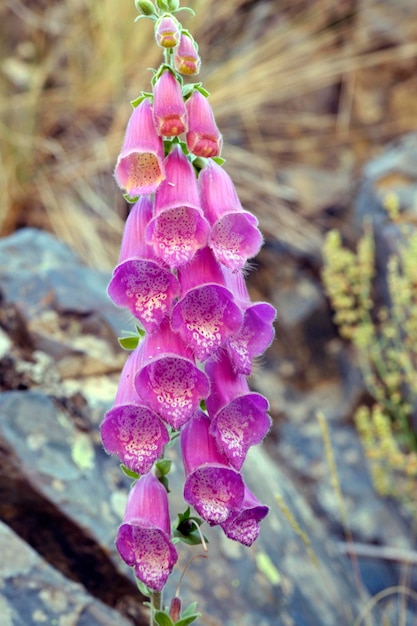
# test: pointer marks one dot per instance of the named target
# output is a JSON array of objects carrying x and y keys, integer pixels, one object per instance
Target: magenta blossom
[
  {"x": 239, "y": 418},
  {"x": 179, "y": 228},
  {"x": 186, "y": 58},
  {"x": 167, "y": 32},
  {"x": 203, "y": 137},
  {"x": 243, "y": 525},
  {"x": 140, "y": 165},
  {"x": 140, "y": 282},
  {"x": 130, "y": 429},
  {"x": 257, "y": 331},
  {"x": 143, "y": 540},
  {"x": 234, "y": 236},
  {"x": 206, "y": 315},
  {"x": 168, "y": 380},
  {"x": 169, "y": 112},
  {"x": 211, "y": 486}
]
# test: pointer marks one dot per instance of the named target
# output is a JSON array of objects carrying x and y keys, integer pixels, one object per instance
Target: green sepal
[
  {"x": 203, "y": 405},
  {"x": 136, "y": 102},
  {"x": 163, "y": 619},
  {"x": 130, "y": 199},
  {"x": 165, "y": 482},
  {"x": 129, "y": 343},
  {"x": 219, "y": 160},
  {"x": 163, "y": 467},
  {"x": 185, "y": 9},
  {"x": 190, "y": 87},
  {"x": 184, "y": 529},
  {"x": 143, "y": 588},
  {"x": 184, "y": 621},
  {"x": 130, "y": 473}
]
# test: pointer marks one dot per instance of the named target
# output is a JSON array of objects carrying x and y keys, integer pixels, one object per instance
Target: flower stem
[{"x": 156, "y": 601}]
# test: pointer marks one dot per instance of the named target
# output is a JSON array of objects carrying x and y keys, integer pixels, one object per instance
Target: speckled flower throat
[{"x": 186, "y": 244}]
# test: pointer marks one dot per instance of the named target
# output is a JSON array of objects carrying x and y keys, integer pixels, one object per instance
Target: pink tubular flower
[
  {"x": 143, "y": 540},
  {"x": 257, "y": 331},
  {"x": 243, "y": 525},
  {"x": 179, "y": 227},
  {"x": 167, "y": 32},
  {"x": 186, "y": 58},
  {"x": 131, "y": 430},
  {"x": 168, "y": 381},
  {"x": 169, "y": 112},
  {"x": 239, "y": 418},
  {"x": 140, "y": 282},
  {"x": 203, "y": 137},
  {"x": 206, "y": 315},
  {"x": 234, "y": 236},
  {"x": 140, "y": 165},
  {"x": 212, "y": 487}
]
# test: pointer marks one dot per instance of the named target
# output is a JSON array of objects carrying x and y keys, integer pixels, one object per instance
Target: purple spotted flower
[
  {"x": 207, "y": 314},
  {"x": 130, "y": 429},
  {"x": 243, "y": 525},
  {"x": 169, "y": 112},
  {"x": 212, "y": 487},
  {"x": 140, "y": 281},
  {"x": 256, "y": 332},
  {"x": 168, "y": 380},
  {"x": 140, "y": 165},
  {"x": 239, "y": 417},
  {"x": 143, "y": 540},
  {"x": 179, "y": 228},
  {"x": 234, "y": 236},
  {"x": 203, "y": 137}
]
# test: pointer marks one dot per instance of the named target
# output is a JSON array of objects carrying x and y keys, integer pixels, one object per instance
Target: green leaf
[
  {"x": 184, "y": 621},
  {"x": 130, "y": 473},
  {"x": 192, "y": 539},
  {"x": 163, "y": 619},
  {"x": 164, "y": 467},
  {"x": 129, "y": 343},
  {"x": 190, "y": 610}
]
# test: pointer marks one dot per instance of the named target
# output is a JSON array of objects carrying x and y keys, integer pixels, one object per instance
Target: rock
[{"x": 32, "y": 592}]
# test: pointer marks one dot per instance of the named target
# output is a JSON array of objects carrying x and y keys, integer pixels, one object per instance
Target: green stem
[{"x": 156, "y": 601}]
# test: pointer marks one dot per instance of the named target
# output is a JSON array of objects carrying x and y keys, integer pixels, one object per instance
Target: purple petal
[
  {"x": 136, "y": 435},
  {"x": 234, "y": 240},
  {"x": 225, "y": 383},
  {"x": 239, "y": 425},
  {"x": 243, "y": 525},
  {"x": 146, "y": 289},
  {"x": 205, "y": 317},
  {"x": 214, "y": 491},
  {"x": 149, "y": 551},
  {"x": 173, "y": 387},
  {"x": 198, "y": 446},
  {"x": 176, "y": 234},
  {"x": 253, "y": 337}
]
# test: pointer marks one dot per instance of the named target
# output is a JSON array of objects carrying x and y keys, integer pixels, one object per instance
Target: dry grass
[{"x": 291, "y": 82}]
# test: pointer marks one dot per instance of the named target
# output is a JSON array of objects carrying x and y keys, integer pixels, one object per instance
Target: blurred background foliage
[{"x": 294, "y": 83}]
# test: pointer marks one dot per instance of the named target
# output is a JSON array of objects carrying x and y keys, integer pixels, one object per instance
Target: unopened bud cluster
[{"x": 184, "y": 250}]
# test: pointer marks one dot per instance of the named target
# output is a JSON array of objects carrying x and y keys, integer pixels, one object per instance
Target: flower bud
[
  {"x": 167, "y": 32},
  {"x": 175, "y": 609},
  {"x": 203, "y": 137},
  {"x": 145, "y": 7},
  {"x": 162, "y": 4},
  {"x": 187, "y": 60}
]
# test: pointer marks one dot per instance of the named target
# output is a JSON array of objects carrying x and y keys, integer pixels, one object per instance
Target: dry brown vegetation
[{"x": 315, "y": 83}]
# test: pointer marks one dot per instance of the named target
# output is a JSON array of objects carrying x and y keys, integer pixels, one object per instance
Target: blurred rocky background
[{"x": 316, "y": 101}]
